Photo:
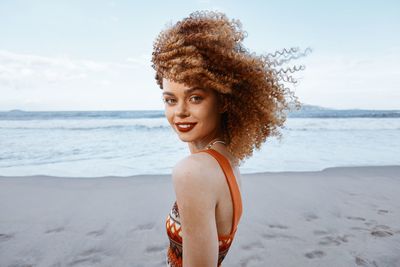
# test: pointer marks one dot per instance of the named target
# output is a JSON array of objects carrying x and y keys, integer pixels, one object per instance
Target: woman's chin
[{"x": 184, "y": 138}]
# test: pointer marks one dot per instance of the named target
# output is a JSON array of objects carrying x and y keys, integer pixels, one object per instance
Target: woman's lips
[{"x": 185, "y": 127}]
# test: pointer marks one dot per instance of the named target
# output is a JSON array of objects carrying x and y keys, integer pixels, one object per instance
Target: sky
[{"x": 96, "y": 54}]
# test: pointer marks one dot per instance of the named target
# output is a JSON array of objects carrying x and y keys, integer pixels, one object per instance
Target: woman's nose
[{"x": 181, "y": 109}]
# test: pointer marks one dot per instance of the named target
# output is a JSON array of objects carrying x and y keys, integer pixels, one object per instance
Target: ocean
[{"x": 125, "y": 143}]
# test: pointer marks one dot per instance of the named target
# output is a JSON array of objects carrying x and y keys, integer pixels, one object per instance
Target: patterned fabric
[{"x": 173, "y": 225}]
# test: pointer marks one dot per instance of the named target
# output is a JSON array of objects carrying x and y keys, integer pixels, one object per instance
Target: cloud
[
  {"x": 144, "y": 60},
  {"x": 36, "y": 82},
  {"x": 25, "y": 71},
  {"x": 352, "y": 80}
]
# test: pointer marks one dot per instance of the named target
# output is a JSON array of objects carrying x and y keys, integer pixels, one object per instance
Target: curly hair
[{"x": 206, "y": 49}]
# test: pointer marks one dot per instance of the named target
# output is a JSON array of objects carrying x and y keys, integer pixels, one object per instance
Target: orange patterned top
[{"x": 173, "y": 225}]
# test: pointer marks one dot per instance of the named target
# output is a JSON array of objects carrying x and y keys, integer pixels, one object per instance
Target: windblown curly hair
[{"x": 205, "y": 49}]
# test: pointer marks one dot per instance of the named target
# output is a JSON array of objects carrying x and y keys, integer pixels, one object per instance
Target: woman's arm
[{"x": 196, "y": 198}]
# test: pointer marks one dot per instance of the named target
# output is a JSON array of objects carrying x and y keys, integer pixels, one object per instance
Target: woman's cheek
[{"x": 168, "y": 114}]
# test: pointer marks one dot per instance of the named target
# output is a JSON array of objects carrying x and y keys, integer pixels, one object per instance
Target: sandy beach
[{"x": 345, "y": 216}]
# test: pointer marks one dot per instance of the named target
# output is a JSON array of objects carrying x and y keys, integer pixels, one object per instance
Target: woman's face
[{"x": 196, "y": 108}]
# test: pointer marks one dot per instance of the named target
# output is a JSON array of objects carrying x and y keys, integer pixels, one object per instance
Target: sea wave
[
  {"x": 341, "y": 124},
  {"x": 88, "y": 124},
  {"x": 146, "y": 124}
]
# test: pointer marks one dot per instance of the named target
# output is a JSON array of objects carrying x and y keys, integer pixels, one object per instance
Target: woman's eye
[
  {"x": 196, "y": 98},
  {"x": 169, "y": 100}
]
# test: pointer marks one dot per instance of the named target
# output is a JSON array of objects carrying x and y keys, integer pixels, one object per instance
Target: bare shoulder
[{"x": 194, "y": 177}]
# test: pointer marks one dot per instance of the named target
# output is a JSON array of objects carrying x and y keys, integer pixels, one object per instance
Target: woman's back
[{"x": 228, "y": 210}]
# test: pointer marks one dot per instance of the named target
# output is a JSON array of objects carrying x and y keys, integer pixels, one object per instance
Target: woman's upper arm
[{"x": 196, "y": 198}]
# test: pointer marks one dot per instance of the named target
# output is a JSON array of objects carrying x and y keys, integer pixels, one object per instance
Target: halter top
[{"x": 173, "y": 225}]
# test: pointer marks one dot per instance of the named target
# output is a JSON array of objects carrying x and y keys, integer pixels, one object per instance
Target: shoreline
[
  {"x": 328, "y": 169},
  {"x": 340, "y": 216}
]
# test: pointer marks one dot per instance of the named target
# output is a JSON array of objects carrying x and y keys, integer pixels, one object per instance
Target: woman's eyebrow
[{"x": 188, "y": 91}]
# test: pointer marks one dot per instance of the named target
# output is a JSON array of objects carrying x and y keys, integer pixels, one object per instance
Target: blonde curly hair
[{"x": 205, "y": 49}]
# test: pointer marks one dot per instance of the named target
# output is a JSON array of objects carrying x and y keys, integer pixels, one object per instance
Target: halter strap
[{"x": 232, "y": 183}]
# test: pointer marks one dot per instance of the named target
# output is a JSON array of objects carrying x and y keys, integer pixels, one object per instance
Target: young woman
[{"x": 223, "y": 102}]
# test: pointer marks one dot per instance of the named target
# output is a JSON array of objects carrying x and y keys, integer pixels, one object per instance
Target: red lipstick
[{"x": 185, "y": 126}]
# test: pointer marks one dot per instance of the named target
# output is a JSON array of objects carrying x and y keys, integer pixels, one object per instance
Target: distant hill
[{"x": 313, "y": 111}]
